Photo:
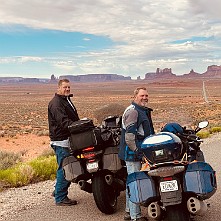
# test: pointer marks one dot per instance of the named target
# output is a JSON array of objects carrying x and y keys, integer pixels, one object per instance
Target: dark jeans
[{"x": 61, "y": 186}]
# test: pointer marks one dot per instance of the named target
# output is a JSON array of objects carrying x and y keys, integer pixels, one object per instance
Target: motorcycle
[
  {"x": 94, "y": 164},
  {"x": 176, "y": 180}
]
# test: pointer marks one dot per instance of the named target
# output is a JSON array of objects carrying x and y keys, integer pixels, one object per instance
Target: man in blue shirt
[{"x": 136, "y": 126}]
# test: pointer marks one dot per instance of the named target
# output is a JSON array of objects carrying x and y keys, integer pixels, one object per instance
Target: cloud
[
  {"x": 209, "y": 8},
  {"x": 117, "y": 19},
  {"x": 145, "y": 30},
  {"x": 64, "y": 65},
  {"x": 25, "y": 59},
  {"x": 20, "y": 59}
]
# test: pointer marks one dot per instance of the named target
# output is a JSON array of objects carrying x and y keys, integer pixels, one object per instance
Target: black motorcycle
[
  {"x": 94, "y": 164},
  {"x": 176, "y": 179}
]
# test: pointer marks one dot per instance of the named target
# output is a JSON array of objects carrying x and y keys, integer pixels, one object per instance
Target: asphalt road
[{"x": 35, "y": 203}]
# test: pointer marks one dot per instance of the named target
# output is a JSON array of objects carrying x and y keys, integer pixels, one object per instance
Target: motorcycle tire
[
  {"x": 177, "y": 213},
  {"x": 104, "y": 195}
]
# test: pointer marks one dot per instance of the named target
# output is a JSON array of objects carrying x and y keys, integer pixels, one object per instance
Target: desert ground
[{"x": 23, "y": 107}]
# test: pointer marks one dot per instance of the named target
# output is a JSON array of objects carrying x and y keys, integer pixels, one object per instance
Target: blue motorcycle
[{"x": 176, "y": 179}]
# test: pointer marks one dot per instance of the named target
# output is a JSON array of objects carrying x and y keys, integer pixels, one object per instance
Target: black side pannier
[{"x": 85, "y": 134}]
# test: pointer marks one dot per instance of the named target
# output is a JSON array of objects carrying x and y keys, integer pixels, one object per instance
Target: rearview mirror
[{"x": 203, "y": 124}]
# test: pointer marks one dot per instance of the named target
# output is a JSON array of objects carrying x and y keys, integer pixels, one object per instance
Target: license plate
[
  {"x": 91, "y": 166},
  {"x": 168, "y": 186}
]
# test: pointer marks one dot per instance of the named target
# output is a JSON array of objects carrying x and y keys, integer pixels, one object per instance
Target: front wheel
[
  {"x": 105, "y": 195},
  {"x": 177, "y": 213}
]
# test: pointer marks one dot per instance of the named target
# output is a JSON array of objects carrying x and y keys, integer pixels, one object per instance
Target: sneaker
[
  {"x": 127, "y": 216},
  {"x": 140, "y": 219},
  {"x": 67, "y": 202}
]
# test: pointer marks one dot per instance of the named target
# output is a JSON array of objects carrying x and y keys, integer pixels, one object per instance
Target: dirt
[
  {"x": 23, "y": 108},
  {"x": 29, "y": 146}
]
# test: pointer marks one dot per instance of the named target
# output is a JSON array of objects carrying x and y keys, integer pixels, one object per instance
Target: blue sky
[
  {"x": 33, "y": 42},
  {"x": 39, "y": 38}
]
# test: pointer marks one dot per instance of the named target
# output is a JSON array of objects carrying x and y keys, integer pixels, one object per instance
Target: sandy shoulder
[{"x": 29, "y": 145}]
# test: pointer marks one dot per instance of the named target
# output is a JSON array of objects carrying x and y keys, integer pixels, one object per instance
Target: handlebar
[{"x": 192, "y": 139}]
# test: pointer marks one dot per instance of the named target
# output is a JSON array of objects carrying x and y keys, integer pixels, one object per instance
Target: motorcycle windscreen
[{"x": 140, "y": 187}]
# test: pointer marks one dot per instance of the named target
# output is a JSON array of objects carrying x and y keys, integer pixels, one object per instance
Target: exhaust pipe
[
  {"x": 84, "y": 185},
  {"x": 109, "y": 179},
  {"x": 116, "y": 183},
  {"x": 154, "y": 211},
  {"x": 196, "y": 207}
]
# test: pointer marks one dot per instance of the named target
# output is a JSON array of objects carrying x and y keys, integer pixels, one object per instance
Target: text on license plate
[
  {"x": 93, "y": 165},
  {"x": 168, "y": 186}
]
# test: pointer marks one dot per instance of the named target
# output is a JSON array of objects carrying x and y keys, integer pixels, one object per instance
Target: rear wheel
[
  {"x": 177, "y": 213},
  {"x": 104, "y": 195}
]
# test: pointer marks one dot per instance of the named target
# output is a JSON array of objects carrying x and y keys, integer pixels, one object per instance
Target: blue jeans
[
  {"x": 134, "y": 209},
  {"x": 62, "y": 185}
]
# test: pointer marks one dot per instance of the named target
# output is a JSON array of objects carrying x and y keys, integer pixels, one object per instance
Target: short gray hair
[{"x": 63, "y": 80}]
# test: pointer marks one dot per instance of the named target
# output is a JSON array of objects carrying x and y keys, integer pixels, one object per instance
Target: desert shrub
[
  {"x": 8, "y": 159},
  {"x": 215, "y": 130},
  {"x": 39, "y": 169},
  {"x": 108, "y": 110},
  {"x": 20, "y": 175},
  {"x": 44, "y": 168},
  {"x": 203, "y": 134}
]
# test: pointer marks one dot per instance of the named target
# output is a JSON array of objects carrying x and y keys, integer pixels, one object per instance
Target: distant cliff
[
  {"x": 95, "y": 77},
  {"x": 164, "y": 73},
  {"x": 213, "y": 71},
  {"x": 74, "y": 78}
]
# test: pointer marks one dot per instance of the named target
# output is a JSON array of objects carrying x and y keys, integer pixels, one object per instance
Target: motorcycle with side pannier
[
  {"x": 175, "y": 181},
  {"x": 94, "y": 164}
]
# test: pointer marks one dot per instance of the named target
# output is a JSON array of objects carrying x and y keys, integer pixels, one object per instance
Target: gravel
[{"x": 34, "y": 202}]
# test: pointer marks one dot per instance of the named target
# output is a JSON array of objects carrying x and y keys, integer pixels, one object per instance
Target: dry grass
[{"x": 8, "y": 159}]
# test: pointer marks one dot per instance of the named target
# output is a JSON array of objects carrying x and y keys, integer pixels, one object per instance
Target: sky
[{"x": 131, "y": 38}]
